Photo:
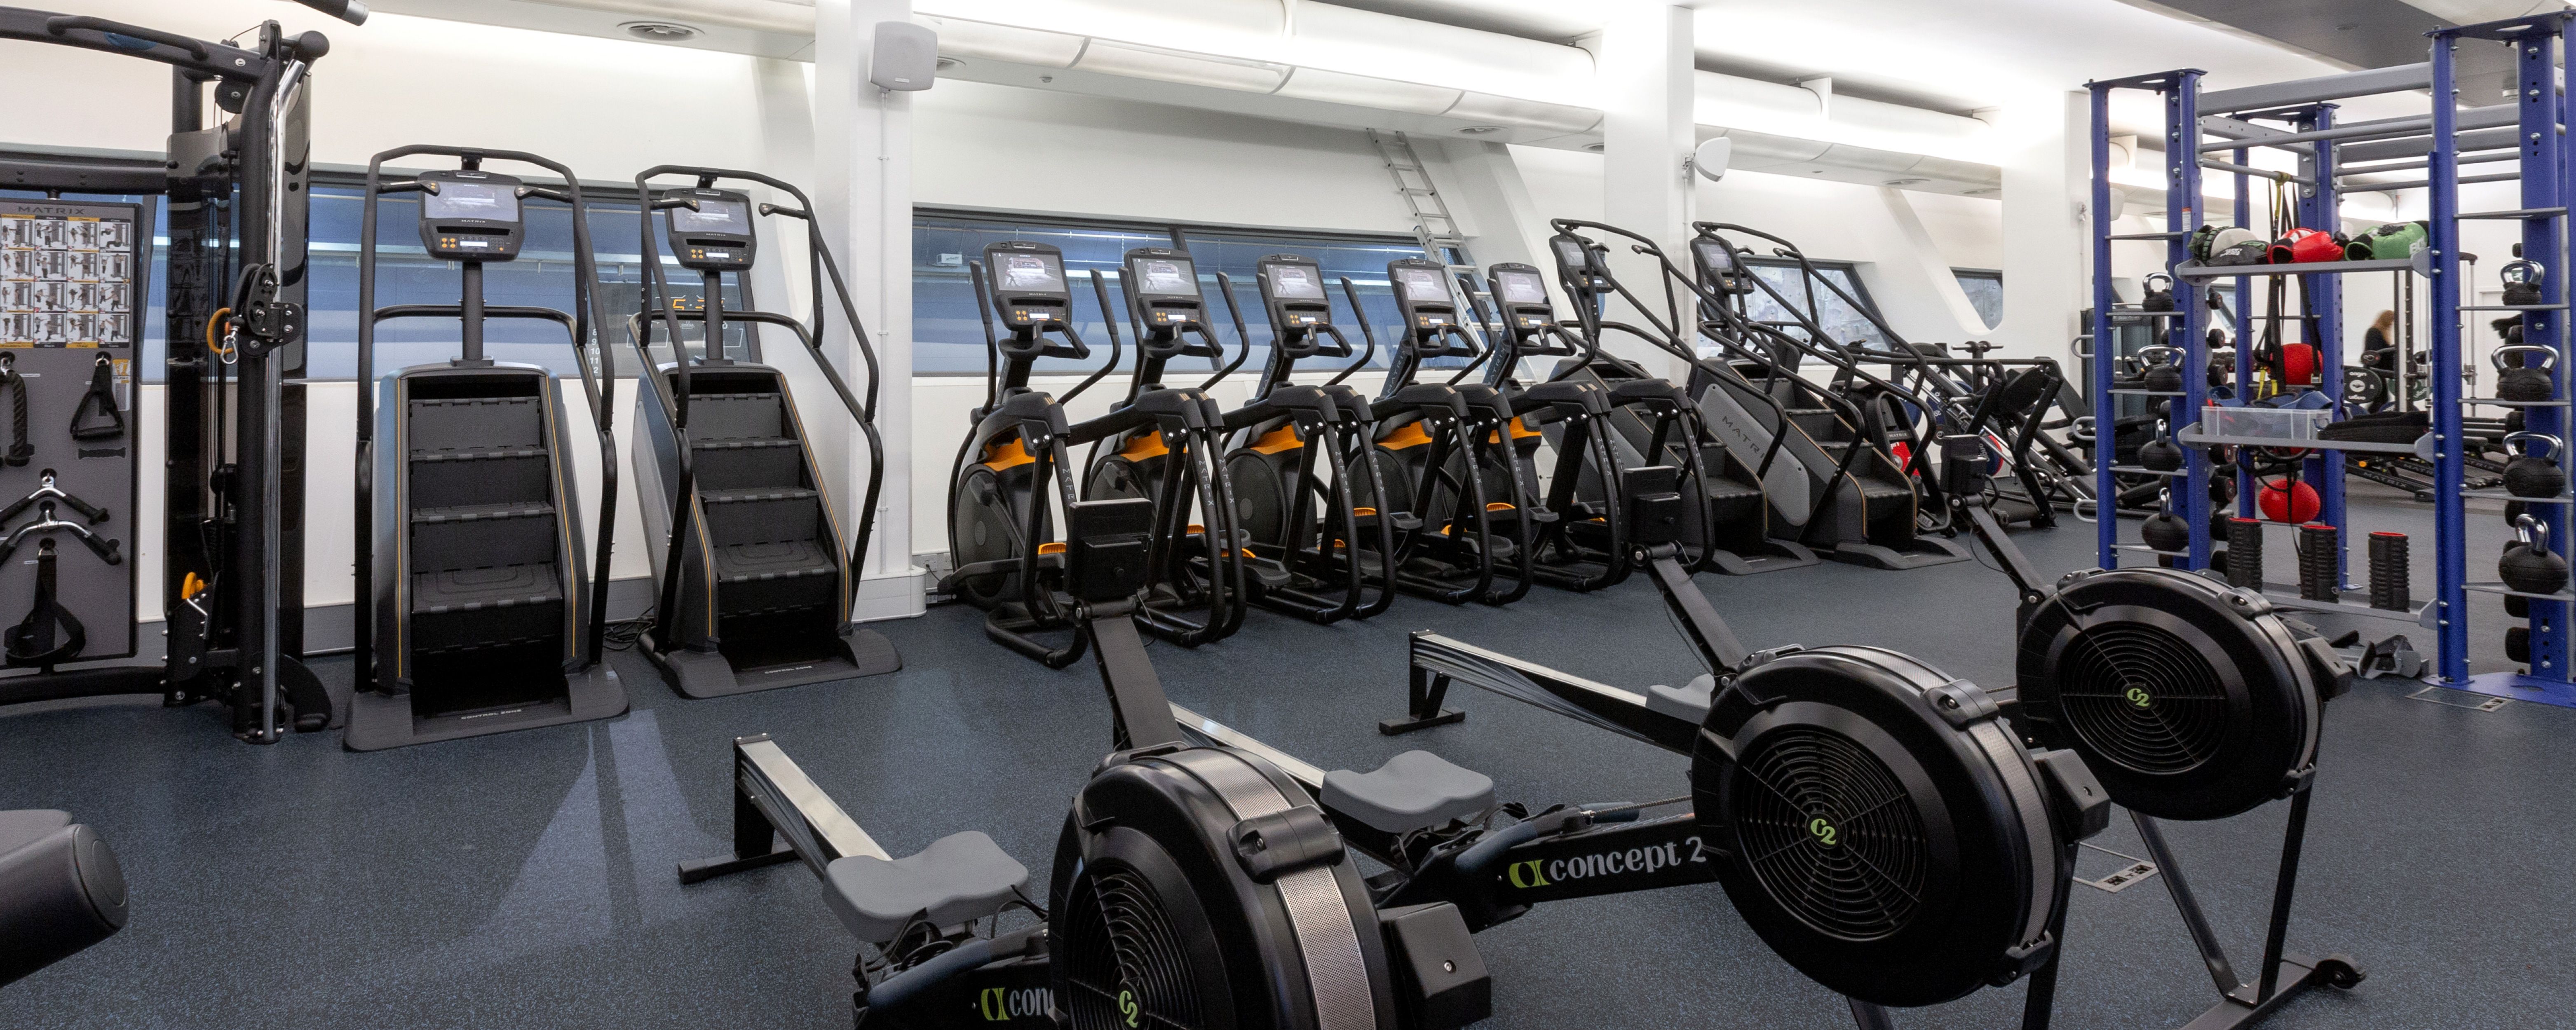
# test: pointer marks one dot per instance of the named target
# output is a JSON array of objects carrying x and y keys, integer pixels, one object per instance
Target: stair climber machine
[
  {"x": 2190, "y": 699},
  {"x": 1584, "y": 546},
  {"x": 1929, "y": 388},
  {"x": 1860, "y": 505},
  {"x": 1731, "y": 467},
  {"x": 1303, "y": 486},
  {"x": 754, "y": 583},
  {"x": 476, "y": 611},
  {"x": 1873, "y": 820},
  {"x": 1013, "y": 469},
  {"x": 1442, "y": 457},
  {"x": 1164, "y": 444}
]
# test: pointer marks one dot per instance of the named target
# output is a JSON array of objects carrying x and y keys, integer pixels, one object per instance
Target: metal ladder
[{"x": 1433, "y": 227}]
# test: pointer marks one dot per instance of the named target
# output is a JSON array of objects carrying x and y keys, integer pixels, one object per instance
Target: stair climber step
[
  {"x": 421, "y": 456},
  {"x": 481, "y": 512},
  {"x": 775, "y": 576},
  {"x": 727, "y": 416},
  {"x": 762, "y": 514},
  {"x": 748, "y": 463},
  {"x": 448, "y": 424},
  {"x": 501, "y": 586}
]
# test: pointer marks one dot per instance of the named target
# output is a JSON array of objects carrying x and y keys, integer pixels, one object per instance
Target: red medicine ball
[{"x": 2285, "y": 500}]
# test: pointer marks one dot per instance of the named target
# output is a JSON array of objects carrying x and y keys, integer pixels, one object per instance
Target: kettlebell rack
[{"x": 2219, "y": 130}]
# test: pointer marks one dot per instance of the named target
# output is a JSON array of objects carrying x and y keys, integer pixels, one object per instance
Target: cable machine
[{"x": 235, "y": 186}]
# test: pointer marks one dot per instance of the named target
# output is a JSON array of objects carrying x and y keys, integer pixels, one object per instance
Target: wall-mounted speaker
[{"x": 906, "y": 58}]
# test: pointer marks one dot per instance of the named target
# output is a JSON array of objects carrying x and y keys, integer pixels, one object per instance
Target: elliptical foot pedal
[{"x": 1412, "y": 791}]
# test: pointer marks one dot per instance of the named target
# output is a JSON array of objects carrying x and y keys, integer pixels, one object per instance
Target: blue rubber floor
[{"x": 525, "y": 880}]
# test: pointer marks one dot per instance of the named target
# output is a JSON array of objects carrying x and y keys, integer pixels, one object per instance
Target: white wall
[{"x": 610, "y": 108}]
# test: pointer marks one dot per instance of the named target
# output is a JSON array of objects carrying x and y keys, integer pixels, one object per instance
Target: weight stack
[
  {"x": 2389, "y": 589},
  {"x": 2320, "y": 551},
  {"x": 2245, "y": 553}
]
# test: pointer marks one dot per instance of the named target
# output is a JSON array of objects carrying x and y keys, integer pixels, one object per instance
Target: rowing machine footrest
[
  {"x": 957, "y": 879},
  {"x": 1689, "y": 702},
  {"x": 1414, "y": 790}
]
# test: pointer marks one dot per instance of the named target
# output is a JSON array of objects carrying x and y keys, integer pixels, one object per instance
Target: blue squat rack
[{"x": 2217, "y": 130}]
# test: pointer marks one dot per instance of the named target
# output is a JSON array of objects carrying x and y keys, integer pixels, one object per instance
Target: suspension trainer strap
[
  {"x": 108, "y": 423},
  {"x": 32, "y": 640}
]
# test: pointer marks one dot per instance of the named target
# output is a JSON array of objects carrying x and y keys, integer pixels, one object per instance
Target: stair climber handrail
[{"x": 599, "y": 395}]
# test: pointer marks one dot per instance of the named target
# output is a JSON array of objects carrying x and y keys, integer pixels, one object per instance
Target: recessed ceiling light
[
  {"x": 1981, "y": 191},
  {"x": 947, "y": 63},
  {"x": 1596, "y": 147},
  {"x": 1479, "y": 130},
  {"x": 1906, "y": 182},
  {"x": 660, "y": 31}
]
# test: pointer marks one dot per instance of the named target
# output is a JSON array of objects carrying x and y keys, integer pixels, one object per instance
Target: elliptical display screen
[
  {"x": 1522, "y": 287},
  {"x": 1422, "y": 285},
  {"x": 720, "y": 216},
  {"x": 489, "y": 201},
  {"x": 1166, "y": 277},
  {"x": 1028, "y": 273},
  {"x": 1295, "y": 282}
]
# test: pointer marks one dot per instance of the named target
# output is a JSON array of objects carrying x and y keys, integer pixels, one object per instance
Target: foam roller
[{"x": 60, "y": 891}]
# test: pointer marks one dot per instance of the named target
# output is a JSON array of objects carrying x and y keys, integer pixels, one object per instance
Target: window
[
  {"x": 1813, "y": 302},
  {"x": 1985, "y": 288},
  {"x": 948, "y": 330}
]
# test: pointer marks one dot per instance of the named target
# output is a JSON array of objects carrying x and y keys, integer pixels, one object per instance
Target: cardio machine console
[
  {"x": 710, "y": 229},
  {"x": 1717, "y": 266},
  {"x": 1029, "y": 286},
  {"x": 1423, "y": 299},
  {"x": 1292, "y": 289},
  {"x": 1579, "y": 265},
  {"x": 1521, "y": 292},
  {"x": 1163, "y": 285},
  {"x": 471, "y": 215}
]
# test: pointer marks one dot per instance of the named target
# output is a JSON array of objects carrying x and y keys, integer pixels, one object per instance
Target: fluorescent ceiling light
[
  {"x": 1144, "y": 62},
  {"x": 1486, "y": 107},
  {"x": 959, "y": 37},
  {"x": 1368, "y": 91}
]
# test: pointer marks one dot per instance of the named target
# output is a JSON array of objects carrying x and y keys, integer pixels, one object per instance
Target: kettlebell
[
  {"x": 2160, "y": 454},
  {"x": 2517, "y": 382},
  {"x": 2164, "y": 530},
  {"x": 2163, "y": 371},
  {"x": 2157, "y": 298},
  {"x": 2513, "y": 421},
  {"x": 2521, "y": 282},
  {"x": 2528, "y": 565},
  {"x": 2513, "y": 511},
  {"x": 2534, "y": 473}
]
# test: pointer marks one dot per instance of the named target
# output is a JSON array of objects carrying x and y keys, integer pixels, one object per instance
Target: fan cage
[
  {"x": 1831, "y": 834},
  {"x": 2142, "y": 698},
  {"x": 1126, "y": 963}
]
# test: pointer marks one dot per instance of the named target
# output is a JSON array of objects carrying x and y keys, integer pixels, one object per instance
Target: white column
[
  {"x": 1645, "y": 74},
  {"x": 863, "y": 190},
  {"x": 2046, "y": 169}
]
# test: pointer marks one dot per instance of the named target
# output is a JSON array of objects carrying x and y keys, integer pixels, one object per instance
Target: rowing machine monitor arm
[
  {"x": 1107, "y": 547},
  {"x": 1655, "y": 509},
  {"x": 1964, "y": 481}
]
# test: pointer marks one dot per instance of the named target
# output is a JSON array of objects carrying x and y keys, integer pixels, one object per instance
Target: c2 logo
[
  {"x": 2138, "y": 697},
  {"x": 1526, "y": 875},
  {"x": 1127, "y": 1006},
  {"x": 1823, "y": 831}
]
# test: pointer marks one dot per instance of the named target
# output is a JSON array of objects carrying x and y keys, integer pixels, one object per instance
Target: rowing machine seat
[
  {"x": 958, "y": 878},
  {"x": 1412, "y": 791},
  {"x": 1689, "y": 702}
]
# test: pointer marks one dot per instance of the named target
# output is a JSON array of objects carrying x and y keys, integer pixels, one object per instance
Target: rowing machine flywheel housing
[
  {"x": 2189, "y": 699},
  {"x": 1881, "y": 828},
  {"x": 1200, "y": 888}
]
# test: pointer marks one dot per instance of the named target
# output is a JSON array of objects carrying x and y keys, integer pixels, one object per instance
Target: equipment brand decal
[
  {"x": 1823, "y": 831},
  {"x": 1546, "y": 872},
  {"x": 2139, "y": 697},
  {"x": 1003, "y": 1004},
  {"x": 1127, "y": 1006}
]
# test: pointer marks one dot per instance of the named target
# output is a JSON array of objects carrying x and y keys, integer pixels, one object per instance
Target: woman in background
[{"x": 2376, "y": 347}]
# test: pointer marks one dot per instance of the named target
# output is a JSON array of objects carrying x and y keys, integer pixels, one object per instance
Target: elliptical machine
[
  {"x": 1303, "y": 485},
  {"x": 754, "y": 586},
  {"x": 1162, "y": 444},
  {"x": 476, "y": 611},
  {"x": 1442, "y": 456}
]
